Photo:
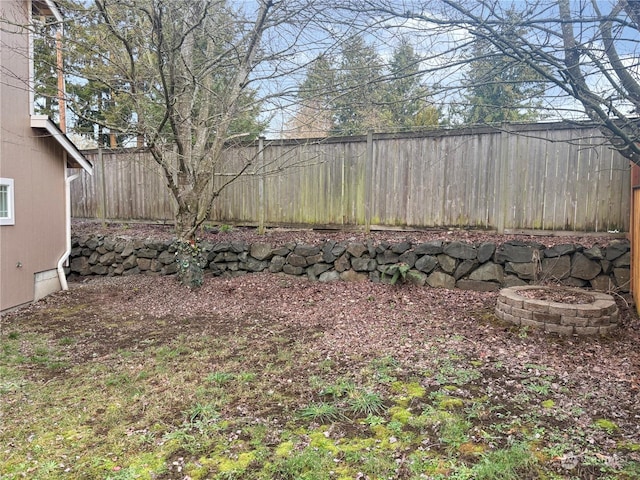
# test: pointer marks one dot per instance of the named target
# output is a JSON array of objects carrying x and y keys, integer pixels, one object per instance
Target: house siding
[{"x": 36, "y": 164}]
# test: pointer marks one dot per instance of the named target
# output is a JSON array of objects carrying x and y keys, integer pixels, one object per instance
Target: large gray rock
[
  {"x": 574, "y": 282},
  {"x": 409, "y": 258},
  {"x": 312, "y": 259},
  {"x": 128, "y": 249},
  {"x": 92, "y": 243},
  {"x": 594, "y": 253},
  {"x": 401, "y": 247},
  {"x": 221, "y": 247},
  {"x": 101, "y": 269},
  {"x": 342, "y": 264},
  {"x": 130, "y": 262},
  {"x": 316, "y": 270},
  {"x": 282, "y": 251},
  {"x": 357, "y": 249},
  {"x": 363, "y": 264},
  {"x": 239, "y": 247},
  {"x": 261, "y": 251},
  {"x": 460, "y": 250},
  {"x": 296, "y": 260},
  {"x": 109, "y": 244},
  {"x": 331, "y": 276},
  {"x": 387, "y": 257},
  {"x": 94, "y": 257},
  {"x": 305, "y": 250},
  {"x": 441, "y": 280},
  {"x": 327, "y": 252},
  {"x": 583, "y": 268},
  {"x": 432, "y": 247},
  {"x": 339, "y": 249},
  {"x": 616, "y": 249},
  {"x": 622, "y": 261},
  {"x": 426, "y": 263},
  {"x": 276, "y": 264},
  {"x": 560, "y": 250},
  {"x": 154, "y": 244},
  {"x": 464, "y": 268},
  {"x": 254, "y": 265},
  {"x": 516, "y": 252},
  {"x": 136, "y": 271},
  {"x": 607, "y": 266},
  {"x": 415, "y": 277},
  {"x": 81, "y": 266},
  {"x": 486, "y": 251},
  {"x": 447, "y": 263},
  {"x": 168, "y": 269},
  {"x": 144, "y": 264},
  {"x": 291, "y": 270},
  {"x": 166, "y": 257},
  {"x": 488, "y": 272},
  {"x": 525, "y": 271},
  {"x": 108, "y": 258},
  {"x": 602, "y": 283},
  {"x": 513, "y": 281},
  {"x": 147, "y": 253},
  {"x": 557, "y": 268},
  {"x": 227, "y": 256}
]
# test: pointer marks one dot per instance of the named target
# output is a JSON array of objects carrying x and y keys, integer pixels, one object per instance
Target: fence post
[
  {"x": 502, "y": 180},
  {"x": 261, "y": 181},
  {"x": 103, "y": 186},
  {"x": 368, "y": 165}
]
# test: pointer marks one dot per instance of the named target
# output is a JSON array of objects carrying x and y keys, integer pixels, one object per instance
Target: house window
[{"x": 6, "y": 202}]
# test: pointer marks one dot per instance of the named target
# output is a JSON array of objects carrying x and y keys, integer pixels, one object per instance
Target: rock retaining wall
[{"x": 485, "y": 267}]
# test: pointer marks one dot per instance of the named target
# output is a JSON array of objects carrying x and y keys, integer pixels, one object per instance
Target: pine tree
[
  {"x": 501, "y": 88},
  {"x": 406, "y": 96}
]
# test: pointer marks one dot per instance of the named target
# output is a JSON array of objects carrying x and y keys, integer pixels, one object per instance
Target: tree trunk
[{"x": 189, "y": 258}]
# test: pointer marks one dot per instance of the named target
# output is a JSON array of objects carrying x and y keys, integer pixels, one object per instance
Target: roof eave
[
  {"x": 48, "y": 8},
  {"x": 75, "y": 158}
]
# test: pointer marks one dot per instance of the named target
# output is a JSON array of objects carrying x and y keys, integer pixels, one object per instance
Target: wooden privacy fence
[{"x": 554, "y": 176}]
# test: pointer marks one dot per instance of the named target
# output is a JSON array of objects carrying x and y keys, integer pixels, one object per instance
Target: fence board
[{"x": 545, "y": 176}]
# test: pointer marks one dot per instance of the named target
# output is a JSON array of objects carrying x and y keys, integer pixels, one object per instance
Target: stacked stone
[
  {"x": 600, "y": 316},
  {"x": 485, "y": 266}
]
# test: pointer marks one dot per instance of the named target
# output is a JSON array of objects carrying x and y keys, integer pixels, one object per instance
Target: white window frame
[{"x": 10, "y": 219}]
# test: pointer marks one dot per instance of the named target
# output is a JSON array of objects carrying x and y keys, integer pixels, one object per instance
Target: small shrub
[{"x": 397, "y": 272}]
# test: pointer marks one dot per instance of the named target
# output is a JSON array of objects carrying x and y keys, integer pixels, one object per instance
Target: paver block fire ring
[{"x": 590, "y": 313}]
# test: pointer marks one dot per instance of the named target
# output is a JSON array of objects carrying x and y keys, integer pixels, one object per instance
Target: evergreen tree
[
  {"x": 406, "y": 97},
  {"x": 359, "y": 95},
  {"x": 501, "y": 88}
]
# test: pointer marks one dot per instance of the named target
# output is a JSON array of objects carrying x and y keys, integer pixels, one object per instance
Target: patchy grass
[{"x": 85, "y": 393}]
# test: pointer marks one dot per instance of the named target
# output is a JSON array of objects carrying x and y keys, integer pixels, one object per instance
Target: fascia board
[{"x": 45, "y": 123}]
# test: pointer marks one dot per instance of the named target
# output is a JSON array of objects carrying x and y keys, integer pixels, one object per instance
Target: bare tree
[
  {"x": 187, "y": 79},
  {"x": 588, "y": 51}
]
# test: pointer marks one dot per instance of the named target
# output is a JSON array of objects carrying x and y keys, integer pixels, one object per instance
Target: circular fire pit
[{"x": 560, "y": 310}]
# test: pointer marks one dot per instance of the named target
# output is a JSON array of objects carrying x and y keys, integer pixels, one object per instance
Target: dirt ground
[
  {"x": 356, "y": 320},
  {"x": 352, "y": 324}
]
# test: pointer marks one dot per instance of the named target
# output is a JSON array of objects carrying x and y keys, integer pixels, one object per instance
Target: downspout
[{"x": 67, "y": 205}]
